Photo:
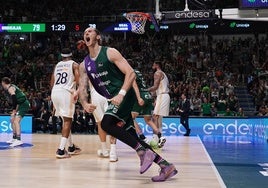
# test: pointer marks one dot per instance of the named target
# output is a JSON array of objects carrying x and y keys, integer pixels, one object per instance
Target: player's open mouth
[{"x": 87, "y": 39}]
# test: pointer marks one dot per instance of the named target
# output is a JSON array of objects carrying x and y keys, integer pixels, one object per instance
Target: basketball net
[{"x": 137, "y": 21}]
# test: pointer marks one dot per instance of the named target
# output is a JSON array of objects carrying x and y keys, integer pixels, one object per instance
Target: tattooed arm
[
  {"x": 83, "y": 89},
  {"x": 157, "y": 78}
]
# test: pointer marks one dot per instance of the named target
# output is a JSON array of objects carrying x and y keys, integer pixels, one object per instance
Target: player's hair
[
  {"x": 98, "y": 33},
  {"x": 6, "y": 80},
  {"x": 159, "y": 63},
  {"x": 66, "y": 53}
]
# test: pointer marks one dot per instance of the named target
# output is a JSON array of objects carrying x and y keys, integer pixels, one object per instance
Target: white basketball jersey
[
  {"x": 64, "y": 76},
  {"x": 163, "y": 86}
]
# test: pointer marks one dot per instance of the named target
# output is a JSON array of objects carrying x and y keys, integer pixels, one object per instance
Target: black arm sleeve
[{"x": 14, "y": 102}]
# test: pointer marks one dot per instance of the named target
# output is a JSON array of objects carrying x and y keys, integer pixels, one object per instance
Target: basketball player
[
  {"x": 20, "y": 106},
  {"x": 162, "y": 103},
  {"x": 64, "y": 95},
  {"x": 112, "y": 77},
  {"x": 143, "y": 106},
  {"x": 101, "y": 106}
]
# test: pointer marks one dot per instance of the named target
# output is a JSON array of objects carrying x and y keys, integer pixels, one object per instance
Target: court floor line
[{"x": 213, "y": 166}]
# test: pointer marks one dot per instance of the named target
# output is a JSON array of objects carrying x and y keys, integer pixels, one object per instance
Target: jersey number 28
[{"x": 61, "y": 78}]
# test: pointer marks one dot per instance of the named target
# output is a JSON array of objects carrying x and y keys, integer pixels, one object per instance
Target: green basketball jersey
[{"x": 20, "y": 96}]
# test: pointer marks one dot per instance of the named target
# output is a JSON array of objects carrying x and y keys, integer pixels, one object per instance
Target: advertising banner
[
  {"x": 5, "y": 125},
  {"x": 212, "y": 126}
]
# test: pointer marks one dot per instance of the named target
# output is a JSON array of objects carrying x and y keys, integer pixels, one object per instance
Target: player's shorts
[
  {"x": 101, "y": 105},
  {"x": 63, "y": 102},
  {"x": 147, "y": 108},
  {"x": 23, "y": 108},
  {"x": 123, "y": 112},
  {"x": 162, "y": 105}
]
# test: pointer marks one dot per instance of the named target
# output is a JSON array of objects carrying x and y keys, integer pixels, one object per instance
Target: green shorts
[
  {"x": 147, "y": 108},
  {"x": 123, "y": 112},
  {"x": 23, "y": 108}
]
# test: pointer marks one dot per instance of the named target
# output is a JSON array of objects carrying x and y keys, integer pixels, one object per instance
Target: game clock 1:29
[
  {"x": 64, "y": 27},
  {"x": 58, "y": 27}
]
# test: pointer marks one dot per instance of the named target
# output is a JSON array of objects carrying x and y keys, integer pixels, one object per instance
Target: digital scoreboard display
[
  {"x": 65, "y": 27},
  {"x": 253, "y": 4},
  {"x": 23, "y": 27},
  {"x": 50, "y": 27}
]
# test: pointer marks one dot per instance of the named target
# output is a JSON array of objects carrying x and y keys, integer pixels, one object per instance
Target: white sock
[
  {"x": 70, "y": 140},
  {"x": 63, "y": 141},
  {"x": 103, "y": 146},
  {"x": 113, "y": 148}
]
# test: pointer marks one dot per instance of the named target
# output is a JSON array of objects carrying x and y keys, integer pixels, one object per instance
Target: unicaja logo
[
  {"x": 200, "y": 26},
  {"x": 237, "y": 25},
  {"x": 192, "y": 25},
  {"x": 232, "y": 25}
]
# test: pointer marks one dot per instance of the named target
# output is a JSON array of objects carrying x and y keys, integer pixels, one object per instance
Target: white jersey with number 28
[{"x": 64, "y": 76}]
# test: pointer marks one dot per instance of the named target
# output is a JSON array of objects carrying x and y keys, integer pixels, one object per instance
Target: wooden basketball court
[{"x": 37, "y": 166}]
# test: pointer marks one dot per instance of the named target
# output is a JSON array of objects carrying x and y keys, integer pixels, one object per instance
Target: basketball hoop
[{"x": 137, "y": 21}]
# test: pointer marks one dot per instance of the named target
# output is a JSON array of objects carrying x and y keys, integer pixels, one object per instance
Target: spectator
[
  {"x": 228, "y": 112},
  {"x": 240, "y": 112},
  {"x": 206, "y": 107},
  {"x": 263, "y": 111}
]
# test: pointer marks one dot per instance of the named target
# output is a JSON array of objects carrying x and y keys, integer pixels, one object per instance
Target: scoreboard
[{"x": 50, "y": 27}]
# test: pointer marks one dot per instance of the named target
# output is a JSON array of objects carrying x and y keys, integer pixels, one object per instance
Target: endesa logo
[
  {"x": 212, "y": 126},
  {"x": 192, "y": 14},
  {"x": 229, "y": 129}
]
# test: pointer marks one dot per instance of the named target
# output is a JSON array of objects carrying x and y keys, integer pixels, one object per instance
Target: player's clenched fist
[{"x": 89, "y": 108}]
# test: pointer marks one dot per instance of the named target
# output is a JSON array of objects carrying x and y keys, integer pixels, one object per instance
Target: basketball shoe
[
  {"x": 161, "y": 142},
  {"x": 103, "y": 154},
  {"x": 113, "y": 156},
  {"x": 166, "y": 172},
  {"x": 74, "y": 150},
  {"x": 16, "y": 143},
  {"x": 62, "y": 154},
  {"x": 147, "y": 158},
  {"x": 11, "y": 141}
]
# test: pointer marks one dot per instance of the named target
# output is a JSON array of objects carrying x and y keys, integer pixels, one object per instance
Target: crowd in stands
[{"x": 205, "y": 67}]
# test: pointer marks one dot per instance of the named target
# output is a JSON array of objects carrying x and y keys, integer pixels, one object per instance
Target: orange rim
[{"x": 142, "y": 15}]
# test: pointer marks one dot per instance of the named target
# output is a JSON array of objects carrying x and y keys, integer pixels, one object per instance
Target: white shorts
[
  {"x": 162, "y": 105},
  {"x": 100, "y": 102},
  {"x": 63, "y": 102}
]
